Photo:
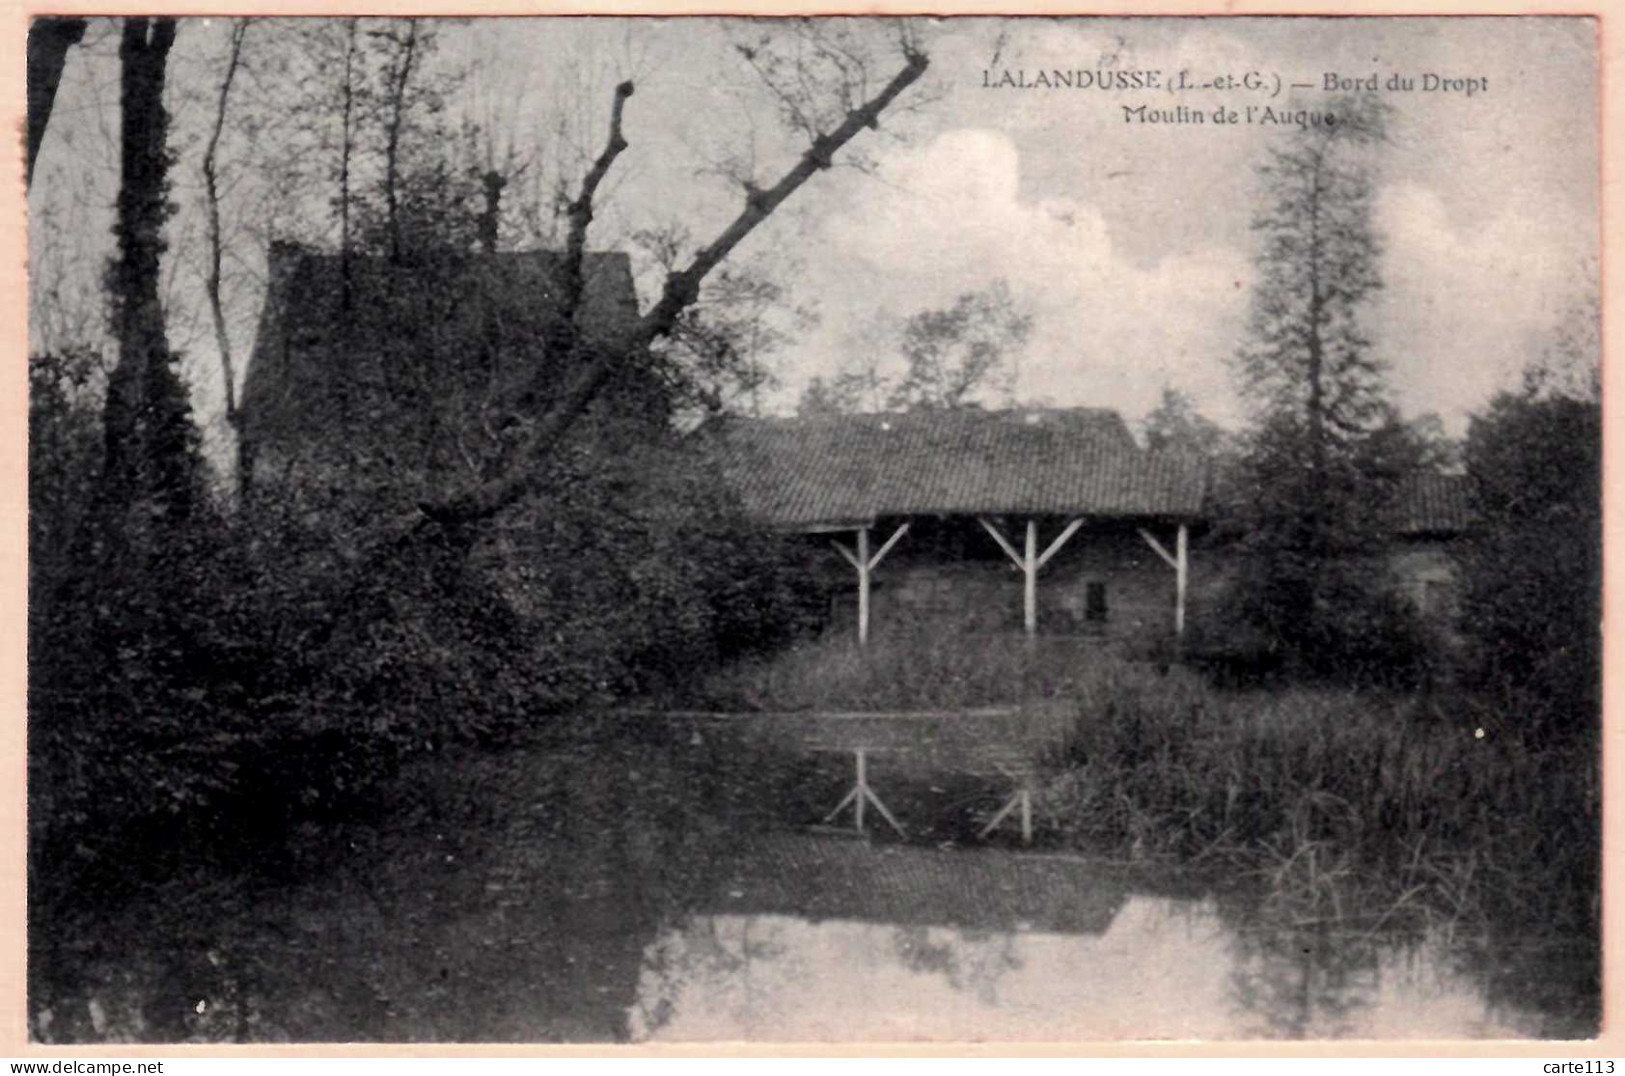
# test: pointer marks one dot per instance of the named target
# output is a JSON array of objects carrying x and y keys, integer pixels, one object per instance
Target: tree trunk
[
  {"x": 48, "y": 42},
  {"x": 211, "y": 188},
  {"x": 1316, "y": 344},
  {"x": 392, "y": 145},
  {"x": 346, "y": 147},
  {"x": 146, "y": 411}
]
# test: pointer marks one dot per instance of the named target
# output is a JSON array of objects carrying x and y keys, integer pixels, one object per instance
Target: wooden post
[
  {"x": 1030, "y": 592},
  {"x": 865, "y": 564},
  {"x": 863, "y": 615},
  {"x": 1179, "y": 561},
  {"x": 1030, "y": 563},
  {"x": 1181, "y": 574},
  {"x": 863, "y": 786}
]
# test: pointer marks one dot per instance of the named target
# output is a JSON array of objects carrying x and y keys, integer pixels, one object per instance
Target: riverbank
[
  {"x": 513, "y": 892},
  {"x": 1363, "y": 808},
  {"x": 500, "y": 894}
]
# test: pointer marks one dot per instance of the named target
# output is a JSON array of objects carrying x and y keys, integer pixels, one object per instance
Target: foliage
[
  {"x": 1532, "y": 598},
  {"x": 719, "y": 354},
  {"x": 1176, "y": 425},
  {"x": 1319, "y": 471},
  {"x": 925, "y": 669},
  {"x": 1352, "y": 804},
  {"x": 957, "y": 352}
]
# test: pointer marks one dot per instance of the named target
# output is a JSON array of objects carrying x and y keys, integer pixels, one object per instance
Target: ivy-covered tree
[{"x": 152, "y": 443}]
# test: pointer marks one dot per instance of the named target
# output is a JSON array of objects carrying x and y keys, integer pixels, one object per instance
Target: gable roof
[
  {"x": 308, "y": 349},
  {"x": 803, "y": 473},
  {"x": 1432, "y": 504}
]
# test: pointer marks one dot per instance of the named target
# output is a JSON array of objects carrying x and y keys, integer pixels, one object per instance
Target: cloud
[
  {"x": 1465, "y": 308},
  {"x": 949, "y": 216}
]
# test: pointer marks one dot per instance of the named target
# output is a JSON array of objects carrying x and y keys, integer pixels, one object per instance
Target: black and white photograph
[{"x": 813, "y": 530}]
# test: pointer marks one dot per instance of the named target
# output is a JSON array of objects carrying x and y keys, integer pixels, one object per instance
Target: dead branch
[
  {"x": 683, "y": 287},
  {"x": 681, "y": 290},
  {"x": 575, "y": 249}
]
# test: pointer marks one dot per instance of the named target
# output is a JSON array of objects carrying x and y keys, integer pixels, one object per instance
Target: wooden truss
[
  {"x": 866, "y": 565},
  {"x": 1028, "y": 559},
  {"x": 1179, "y": 561},
  {"x": 1030, "y": 562}
]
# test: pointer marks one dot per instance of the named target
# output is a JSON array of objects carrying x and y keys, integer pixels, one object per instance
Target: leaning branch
[
  {"x": 682, "y": 288},
  {"x": 575, "y": 247}
]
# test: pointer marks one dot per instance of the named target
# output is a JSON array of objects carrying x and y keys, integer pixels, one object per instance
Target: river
[{"x": 813, "y": 938}]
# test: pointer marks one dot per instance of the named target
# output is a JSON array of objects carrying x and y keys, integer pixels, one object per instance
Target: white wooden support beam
[
  {"x": 851, "y": 557},
  {"x": 1029, "y": 592},
  {"x": 1182, "y": 576},
  {"x": 865, "y": 565},
  {"x": 1179, "y": 561},
  {"x": 1055, "y": 546},
  {"x": 1030, "y": 562},
  {"x": 1151, "y": 541},
  {"x": 874, "y": 562},
  {"x": 998, "y": 536},
  {"x": 863, "y": 599}
]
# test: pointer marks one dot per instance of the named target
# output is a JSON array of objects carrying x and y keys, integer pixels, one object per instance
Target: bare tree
[
  {"x": 520, "y": 475},
  {"x": 211, "y": 189},
  {"x": 346, "y": 149}
]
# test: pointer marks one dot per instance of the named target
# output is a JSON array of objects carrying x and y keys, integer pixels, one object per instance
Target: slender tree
[
  {"x": 1310, "y": 505},
  {"x": 216, "y": 253}
]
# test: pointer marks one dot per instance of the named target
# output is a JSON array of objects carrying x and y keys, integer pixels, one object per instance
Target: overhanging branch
[{"x": 682, "y": 287}]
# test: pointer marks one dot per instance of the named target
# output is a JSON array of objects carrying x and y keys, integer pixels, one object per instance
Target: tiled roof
[
  {"x": 842, "y": 469},
  {"x": 1432, "y": 503}
]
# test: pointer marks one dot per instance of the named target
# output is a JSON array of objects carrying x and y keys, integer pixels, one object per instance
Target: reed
[{"x": 1381, "y": 807}]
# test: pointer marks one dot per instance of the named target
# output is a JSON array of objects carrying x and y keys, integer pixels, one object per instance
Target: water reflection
[{"x": 812, "y": 939}]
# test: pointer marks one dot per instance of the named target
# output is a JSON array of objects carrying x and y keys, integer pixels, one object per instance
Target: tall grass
[
  {"x": 1392, "y": 804},
  {"x": 912, "y": 671},
  {"x": 1363, "y": 805}
]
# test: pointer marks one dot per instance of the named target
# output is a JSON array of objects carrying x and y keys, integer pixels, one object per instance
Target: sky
[{"x": 1130, "y": 243}]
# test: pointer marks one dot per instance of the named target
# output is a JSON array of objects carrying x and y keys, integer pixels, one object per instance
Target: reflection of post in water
[
  {"x": 973, "y": 960},
  {"x": 1305, "y": 982}
]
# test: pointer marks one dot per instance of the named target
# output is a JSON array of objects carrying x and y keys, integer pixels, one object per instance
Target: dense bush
[
  {"x": 1532, "y": 601},
  {"x": 199, "y": 686}
]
